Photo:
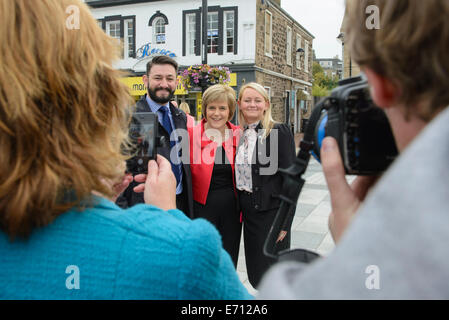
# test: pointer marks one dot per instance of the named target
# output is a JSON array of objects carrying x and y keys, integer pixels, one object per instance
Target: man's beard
[{"x": 160, "y": 100}]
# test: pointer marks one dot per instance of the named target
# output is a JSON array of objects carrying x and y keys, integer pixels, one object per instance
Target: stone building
[
  {"x": 350, "y": 68},
  {"x": 256, "y": 39},
  {"x": 332, "y": 67}
]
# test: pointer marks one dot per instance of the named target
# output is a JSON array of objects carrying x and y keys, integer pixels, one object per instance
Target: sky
[{"x": 322, "y": 18}]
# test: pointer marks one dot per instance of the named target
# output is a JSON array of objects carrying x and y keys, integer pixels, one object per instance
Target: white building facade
[{"x": 256, "y": 39}]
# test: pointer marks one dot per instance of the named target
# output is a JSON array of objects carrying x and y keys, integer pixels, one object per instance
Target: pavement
[{"x": 310, "y": 224}]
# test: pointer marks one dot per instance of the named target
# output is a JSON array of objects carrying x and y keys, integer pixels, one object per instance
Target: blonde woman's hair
[
  {"x": 184, "y": 106},
  {"x": 267, "y": 123},
  {"x": 410, "y": 47},
  {"x": 219, "y": 92},
  {"x": 63, "y": 112}
]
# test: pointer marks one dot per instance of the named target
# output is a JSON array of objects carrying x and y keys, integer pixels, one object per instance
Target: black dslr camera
[
  {"x": 143, "y": 133},
  {"x": 365, "y": 141},
  {"x": 362, "y": 129}
]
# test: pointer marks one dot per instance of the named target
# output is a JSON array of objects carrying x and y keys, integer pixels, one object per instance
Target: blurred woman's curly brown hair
[{"x": 63, "y": 112}]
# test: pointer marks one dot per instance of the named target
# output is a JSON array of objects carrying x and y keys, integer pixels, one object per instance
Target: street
[{"x": 309, "y": 229}]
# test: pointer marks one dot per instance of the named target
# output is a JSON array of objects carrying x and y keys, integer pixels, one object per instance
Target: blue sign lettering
[{"x": 147, "y": 51}]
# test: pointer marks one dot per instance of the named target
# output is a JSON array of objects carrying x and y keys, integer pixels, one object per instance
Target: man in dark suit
[{"x": 161, "y": 81}]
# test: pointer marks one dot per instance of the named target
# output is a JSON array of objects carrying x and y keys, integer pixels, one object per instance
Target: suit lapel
[{"x": 179, "y": 119}]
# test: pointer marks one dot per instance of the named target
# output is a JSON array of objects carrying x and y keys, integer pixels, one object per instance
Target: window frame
[
  {"x": 289, "y": 46},
  {"x": 226, "y": 13},
  {"x": 155, "y": 26},
  {"x": 298, "y": 54},
  {"x": 222, "y": 42},
  {"x": 126, "y": 45},
  {"x": 217, "y": 37},
  {"x": 190, "y": 47},
  {"x": 306, "y": 55},
  {"x": 268, "y": 51}
]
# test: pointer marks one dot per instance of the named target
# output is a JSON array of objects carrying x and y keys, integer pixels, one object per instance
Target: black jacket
[
  {"x": 129, "y": 197},
  {"x": 267, "y": 181}
]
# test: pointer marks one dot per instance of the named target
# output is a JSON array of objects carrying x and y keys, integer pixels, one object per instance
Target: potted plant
[{"x": 197, "y": 77}]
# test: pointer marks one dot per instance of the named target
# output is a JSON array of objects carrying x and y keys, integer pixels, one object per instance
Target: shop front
[{"x": 192, "y": 97}]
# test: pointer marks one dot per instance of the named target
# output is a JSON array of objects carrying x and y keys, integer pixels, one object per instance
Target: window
[
  {"x": 289, "y": 46},
  {"x": 122, "y": 29},
  {"x": 129, "y": 38},
  {"x": 229, "y": 31},
  {"x": 298, "y": 54},
  {"x": 113, "y": 29},
  {"x": 222, "y": 31},
  {"x": 212, "y": 32},
  {"x": 306, "y": 56},
  {"x": 268, "y": 34},
  {"x": 159, "y": 30},
  {"x": 191, "y": 34}
]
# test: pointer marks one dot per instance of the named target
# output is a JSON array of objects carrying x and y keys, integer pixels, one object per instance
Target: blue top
[{"x": 106, "y": 252}]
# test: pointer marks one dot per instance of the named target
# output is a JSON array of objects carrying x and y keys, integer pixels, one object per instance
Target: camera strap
[{"x": 291, "y": 189}]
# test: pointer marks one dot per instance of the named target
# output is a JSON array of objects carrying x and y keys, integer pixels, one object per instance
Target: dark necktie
[{"x": 166, "y": 120}]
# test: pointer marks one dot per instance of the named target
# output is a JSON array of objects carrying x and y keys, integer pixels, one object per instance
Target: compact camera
[
  {"x": 143, "y": 133},
  {"x": 363, "y": 132}
]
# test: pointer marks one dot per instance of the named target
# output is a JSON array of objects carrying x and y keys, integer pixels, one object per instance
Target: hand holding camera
[
  {"x": 159, "y": 185},
  {"x": 345, "y": 198}
]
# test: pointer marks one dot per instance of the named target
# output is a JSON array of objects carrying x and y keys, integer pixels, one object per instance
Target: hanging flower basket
[{"x": 198, "y": 76}]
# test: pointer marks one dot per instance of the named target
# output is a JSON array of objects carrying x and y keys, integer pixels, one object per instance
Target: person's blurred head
[
  {"x": 410, "y": 48},
  {"x": 63, "y": 111},
  {"x": 218, "y": 105},
  {"x": 184, "y": 106},
  {"x": 161, "y": 79}
]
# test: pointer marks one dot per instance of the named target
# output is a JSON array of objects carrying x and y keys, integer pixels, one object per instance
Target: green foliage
[
  {"x": 322, "y": 83},
  {"x": 318, "y": 91}
]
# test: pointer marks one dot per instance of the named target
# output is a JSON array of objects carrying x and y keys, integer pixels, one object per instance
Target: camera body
[
  {"x": 362, "y": 130},
  {"x": 143, "y": 134}
]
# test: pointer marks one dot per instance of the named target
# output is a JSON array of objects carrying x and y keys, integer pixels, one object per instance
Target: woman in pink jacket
[{"x": 213, "y": 144}]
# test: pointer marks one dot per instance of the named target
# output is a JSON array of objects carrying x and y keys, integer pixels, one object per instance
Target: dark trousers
[
  {"x": 220, "y": 210},
  {"x": 256, "y": 226}
]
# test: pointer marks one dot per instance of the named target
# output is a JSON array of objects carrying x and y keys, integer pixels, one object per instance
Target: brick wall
[{"x": 278, "y": 61}]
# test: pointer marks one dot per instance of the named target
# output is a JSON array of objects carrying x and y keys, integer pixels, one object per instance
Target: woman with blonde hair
[
  {"x": 184, "y": 106},
  {"x": 63, "y": 124},
  {"x": 264, "y": 147},
  {"x": 212, "y": 153}
]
